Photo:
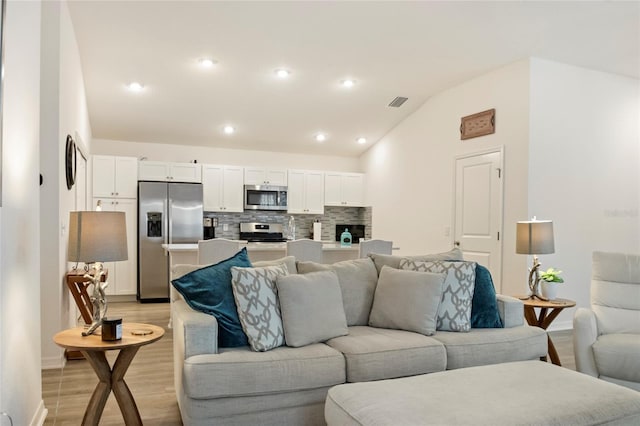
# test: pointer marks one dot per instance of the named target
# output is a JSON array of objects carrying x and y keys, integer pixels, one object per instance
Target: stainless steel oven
[{"x": 265, "y": 197}]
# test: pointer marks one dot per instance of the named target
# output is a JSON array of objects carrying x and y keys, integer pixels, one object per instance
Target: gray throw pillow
[
  {"x": 358, "y": 279},
  {"x": 311, "y": 306},
  {"x": 381, "y": 260},
  {"x": 256, "y": 296},
  {"x": 454, "y": 313},
  {"x": 407, "y": 300}
]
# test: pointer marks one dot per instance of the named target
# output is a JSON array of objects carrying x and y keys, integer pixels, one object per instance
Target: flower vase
[{"x": 549, "y": 290}]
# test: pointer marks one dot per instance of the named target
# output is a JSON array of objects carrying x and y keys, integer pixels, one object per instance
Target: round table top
[
  {"x": 73, "y": 339},
  {"x": 555, "y": 303}
]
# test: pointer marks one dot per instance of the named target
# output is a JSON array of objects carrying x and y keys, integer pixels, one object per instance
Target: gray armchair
[{"x": 606, "y": 338}]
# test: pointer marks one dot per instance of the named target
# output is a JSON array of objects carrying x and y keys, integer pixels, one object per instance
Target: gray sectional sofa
[{"x": 288, "y": 385}]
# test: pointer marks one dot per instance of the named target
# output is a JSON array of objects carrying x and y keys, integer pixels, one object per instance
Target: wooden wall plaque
[{"x": 480, "y": 124}]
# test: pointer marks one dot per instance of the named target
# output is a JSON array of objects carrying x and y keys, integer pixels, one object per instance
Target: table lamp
[
  {"x": 534, "y": 237},
  {"x": 96, "y": 237}
]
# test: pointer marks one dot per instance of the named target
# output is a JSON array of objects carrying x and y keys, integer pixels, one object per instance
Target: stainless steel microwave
[{"x": 265, "y": 197}]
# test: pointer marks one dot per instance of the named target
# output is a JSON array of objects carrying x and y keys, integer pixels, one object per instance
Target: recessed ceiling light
[
  {"x": 283, "y": 72},
  {"x": 206, "y": 62},
  {"x": 228, "y": 129},
  {"x": 361, "y": 140},
  {"x": 321, "y": 137},
  {"x": 348, "y": 82},
  {"x": 134, "y": 86}
]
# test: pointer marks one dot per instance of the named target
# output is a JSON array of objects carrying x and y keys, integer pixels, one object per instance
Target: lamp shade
[
  {"x": 534, "y": 237},
  {"x": 97, "y": 237}
]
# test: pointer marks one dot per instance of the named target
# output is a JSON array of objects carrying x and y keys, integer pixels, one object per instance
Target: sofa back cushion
[
  {"x": 289, "y": 261},
  {"x": 392, "y": 261},
  {"x": 358, "y": 279},
  {"x": 615, "y": 292}
]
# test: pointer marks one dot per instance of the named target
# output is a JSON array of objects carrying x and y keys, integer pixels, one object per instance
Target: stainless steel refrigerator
[{"x": 168, "y": 213}]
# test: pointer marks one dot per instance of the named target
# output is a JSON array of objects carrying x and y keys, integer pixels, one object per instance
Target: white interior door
[{"x": 478, "y": 210}]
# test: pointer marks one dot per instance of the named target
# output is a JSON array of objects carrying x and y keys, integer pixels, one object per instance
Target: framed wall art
[{"x": 479, "y": 124}]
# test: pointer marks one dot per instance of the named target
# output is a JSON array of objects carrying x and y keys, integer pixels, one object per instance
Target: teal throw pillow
[
  {"x": 209, "y": 290},
  {"x": 484, "y": 306}
]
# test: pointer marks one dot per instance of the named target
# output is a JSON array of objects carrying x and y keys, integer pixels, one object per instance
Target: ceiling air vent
[{"x": 398, "y": 101}]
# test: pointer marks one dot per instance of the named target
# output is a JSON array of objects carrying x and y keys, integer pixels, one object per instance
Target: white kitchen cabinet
[
  {"x": 222, "y": 188},
  {"x": 123, "y": 274},
  {"x": 115, "y": 176},
  {"x": 306, "y": 192},
  {"x": 262, "y": 176},
  {"x": 169, "y": 172},
  {"x": 344, "y": 189}
]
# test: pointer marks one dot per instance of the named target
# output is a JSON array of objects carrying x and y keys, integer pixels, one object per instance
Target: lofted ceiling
[{"x": 408, "y": 49}]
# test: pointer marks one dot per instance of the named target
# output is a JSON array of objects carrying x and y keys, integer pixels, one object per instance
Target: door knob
[{"x": 457, "y": 243}]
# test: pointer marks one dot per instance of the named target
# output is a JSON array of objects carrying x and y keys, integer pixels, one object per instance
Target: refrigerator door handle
[
  {"x": 165, "y": 230},
  {"x": 170, "y": 216}
]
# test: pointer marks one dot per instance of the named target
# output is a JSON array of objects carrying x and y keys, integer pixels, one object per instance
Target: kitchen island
[{"x": 331, "y": 252}]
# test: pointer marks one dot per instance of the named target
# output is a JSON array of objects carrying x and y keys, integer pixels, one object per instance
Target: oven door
[{"x": 265, "y": 197}]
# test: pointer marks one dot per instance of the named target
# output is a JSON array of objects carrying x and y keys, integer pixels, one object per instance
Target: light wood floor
[{"x": 66, "y": 392}]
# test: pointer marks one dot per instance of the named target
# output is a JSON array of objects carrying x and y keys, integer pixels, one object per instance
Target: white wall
[
  {"x": 64, "y": 112},
  {"x": 20, "y": 384},
  {"x": 584, "y": 167},
  {"x": 237, "y": 157},
  {"x": 410, "y": 172}
]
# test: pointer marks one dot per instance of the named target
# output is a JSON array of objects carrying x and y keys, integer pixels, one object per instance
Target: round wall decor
[{"x": 70, "y": 161}]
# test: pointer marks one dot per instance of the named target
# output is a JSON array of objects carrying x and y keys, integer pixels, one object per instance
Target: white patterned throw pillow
[
  {"x": 454, "y": 312},
  {"x": 256, "y": 296}
]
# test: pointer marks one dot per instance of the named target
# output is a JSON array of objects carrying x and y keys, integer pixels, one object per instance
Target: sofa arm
[
  {"x": 511, "y": 311},
  {"x": 194, "y": 333},
  {"x": 585, "y": 334}
]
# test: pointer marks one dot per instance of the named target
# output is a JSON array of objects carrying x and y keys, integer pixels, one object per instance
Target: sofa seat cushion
[
  {"x": 377, "y": 353},
  {"x": 233, "y": 410},
  {"x": 482, "y": 346},
  {"x": 618, "y": 356},
  {"x": 241, "y": 371}
]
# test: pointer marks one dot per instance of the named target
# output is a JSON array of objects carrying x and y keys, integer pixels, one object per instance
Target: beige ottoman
[{"x": 518, "y": 393}]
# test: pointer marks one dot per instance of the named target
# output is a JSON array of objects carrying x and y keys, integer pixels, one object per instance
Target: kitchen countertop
[{"x": 326, "y": 246}]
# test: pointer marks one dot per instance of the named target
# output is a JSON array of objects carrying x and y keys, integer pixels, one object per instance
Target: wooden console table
[
  {"x": 78, "y": 285},
  {"x": 111, "y": 379}
]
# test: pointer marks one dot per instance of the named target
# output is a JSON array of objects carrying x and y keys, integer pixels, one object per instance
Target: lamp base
[
  {"x": 533, "y": 296},
  {"x": 98, "y": 298},
  {"x": 534, "y": 281}
]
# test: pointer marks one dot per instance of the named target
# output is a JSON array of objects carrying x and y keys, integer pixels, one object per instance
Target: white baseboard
[
  {"x": 40, "y": 415},
  {"x": 52, "y": 362},
  {"x": 561, "y": 325}
]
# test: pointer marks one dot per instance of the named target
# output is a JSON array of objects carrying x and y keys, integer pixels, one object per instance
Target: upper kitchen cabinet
[
  {"x": 169, "y": 172},
  {"x": 306, "y": 192},
  {"x": 115, "y": 177},
  {"x": 262, "y": 176},
  {"x": 344, "y": 189},
  {"x": 222, "y": 188}
]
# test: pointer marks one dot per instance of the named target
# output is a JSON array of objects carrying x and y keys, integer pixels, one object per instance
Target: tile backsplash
[{"x": 304, "y": 222}]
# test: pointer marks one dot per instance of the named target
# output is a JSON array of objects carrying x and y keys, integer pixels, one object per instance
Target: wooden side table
[
  {"x": 93, "y": 348},
  {"x": 546, "y": 317}
]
